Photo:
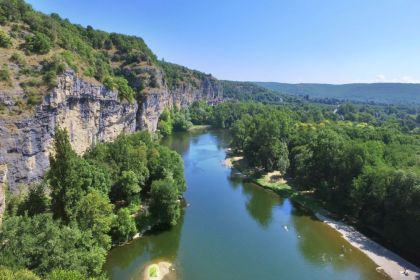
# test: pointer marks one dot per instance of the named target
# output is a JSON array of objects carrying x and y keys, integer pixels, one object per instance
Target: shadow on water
[
  {"x": 260, "y": 204},
  {"x": 322, "y": 246},
  {"x": 127, "y": 262}
]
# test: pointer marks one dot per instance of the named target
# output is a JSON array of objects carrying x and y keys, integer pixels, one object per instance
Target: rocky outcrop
[
  {"x": 89, "y": 112},
  {"x": 156, "y": 100}
]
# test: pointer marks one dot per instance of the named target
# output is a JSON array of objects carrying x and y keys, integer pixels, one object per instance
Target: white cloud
[
  {"x": 380, "y": 78},
  {"x": 409, "y": 79}
]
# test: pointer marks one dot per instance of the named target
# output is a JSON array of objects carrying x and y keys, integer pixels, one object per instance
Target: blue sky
[{"x": 324, "y": 41}]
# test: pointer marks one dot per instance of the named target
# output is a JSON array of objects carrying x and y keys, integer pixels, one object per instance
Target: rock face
[
  {"x": 90, "y": 113},
  {"x": 156, "y": 100}
]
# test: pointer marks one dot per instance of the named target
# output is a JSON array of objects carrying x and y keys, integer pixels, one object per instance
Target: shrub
[
  {"x": 38, "y": 43},
  {"x": 5, "y": 41},
  {"x": 50, "y": 79},
  {"x": 5, "y": 74},
  {"x": 61, "y": 274},
  {"x": 22, "y": 274},
  {"x": 18, "y": 58},
  {"x": 120, "y": 84}
]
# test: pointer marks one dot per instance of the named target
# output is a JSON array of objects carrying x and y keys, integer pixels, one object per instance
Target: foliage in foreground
[{"x": 94, "y": 201}]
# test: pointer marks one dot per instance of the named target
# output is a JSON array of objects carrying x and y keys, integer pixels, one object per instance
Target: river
[{"x": 235, "y": 230}]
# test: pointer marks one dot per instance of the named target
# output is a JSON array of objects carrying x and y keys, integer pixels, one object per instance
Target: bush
[
  {"x": 33, "y": 97},
  {"x": 18, "y": 58},
  {"x": 51, "y": 68},
  {"x": 50, "y": 79},
  {"x": 120, "y": 84},
  {"x": 5, "y": 74},
  {"x": 5, "y": 41},
  {"x": 61, "y": 274},
  {"x": 38, "y": 43},
  {"x": 21, "y": 274}
]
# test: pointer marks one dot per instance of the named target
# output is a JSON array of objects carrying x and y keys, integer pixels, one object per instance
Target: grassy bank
[
  {"x": 198, "y": 127},
  {"x": 272, "y": 181}
]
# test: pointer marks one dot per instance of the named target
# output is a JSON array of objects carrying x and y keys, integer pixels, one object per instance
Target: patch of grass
[
  {"x": 153, "y": 270},
  {"x": 18, "y": 58},
  {"x": 5, "y": 74},
  {"x": 199, "y": 127}
]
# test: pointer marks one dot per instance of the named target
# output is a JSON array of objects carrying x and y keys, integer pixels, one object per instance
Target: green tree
[
  {"x": 94, "y": 213},
  {"x": 124, "y": 226},
  {"x": 21, "y": 274},
  {"x": 164, "y": 162},
  {"x": 200, "y": 112},
  {"x": 38, "y": 43},
  {"x": 44, "y": 245},
  {"x": 36, "y": 202},
  {"x": 181, "y": 120},
  {"x": 165, "y": 124},
  {"x": 127, "y": 187},
  {"x": 165, "y": 207},
  {"x": 70, "y": 177}
]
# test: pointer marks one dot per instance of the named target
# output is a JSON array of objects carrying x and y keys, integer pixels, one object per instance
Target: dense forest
[
  {"x": 382, "y": 93},
  {"x": 360, "y": 163},
  {"x": 67, "y": 223}
]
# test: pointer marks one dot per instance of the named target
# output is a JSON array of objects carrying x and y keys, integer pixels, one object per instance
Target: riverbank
[
  {"x": 199, "y": 127},
  {"x": 388, "y": 262}
]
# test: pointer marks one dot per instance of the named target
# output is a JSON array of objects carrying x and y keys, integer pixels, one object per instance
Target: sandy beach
[
  {"x": 387, "y": 261},
  {"x": 229, "y": 161},
  {"x": 391, "y": 263}
]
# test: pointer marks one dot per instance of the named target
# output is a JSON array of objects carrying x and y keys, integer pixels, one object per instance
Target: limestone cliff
[
  {"x": 89, "y": 112},
  {"x": 156, "y": 100}
]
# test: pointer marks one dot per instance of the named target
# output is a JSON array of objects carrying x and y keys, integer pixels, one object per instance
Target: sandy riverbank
[
  {"x": 229, "y": 161},
  {"x": 391, "y": 263},
  {"x": 387, "y": 261}
]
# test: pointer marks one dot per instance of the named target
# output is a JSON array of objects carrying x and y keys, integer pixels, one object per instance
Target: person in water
[{"x": 405, "y": 272}]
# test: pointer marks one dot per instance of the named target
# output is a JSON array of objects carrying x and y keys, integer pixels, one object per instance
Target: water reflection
[
  {"x": 260, "y": 204},
  {"x": 322, "y": 247},
  {"x": 128, "y": 262}
]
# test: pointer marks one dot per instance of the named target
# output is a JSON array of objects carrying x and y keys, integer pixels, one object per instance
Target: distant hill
[
  {"x": 376, "y": 92},
  {"x": 248, "y": 91}
]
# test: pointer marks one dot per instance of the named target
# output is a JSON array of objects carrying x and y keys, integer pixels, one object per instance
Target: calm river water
[{"x": 235, "y": 230}]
